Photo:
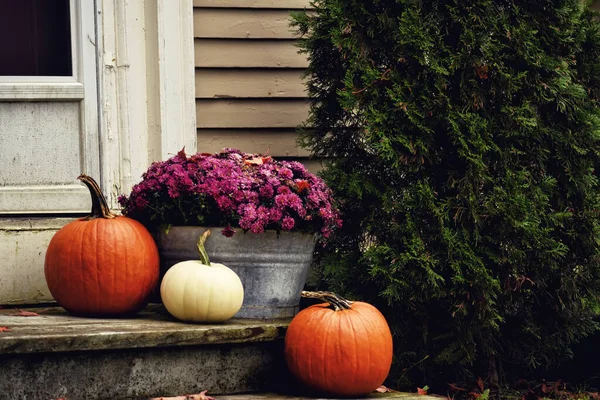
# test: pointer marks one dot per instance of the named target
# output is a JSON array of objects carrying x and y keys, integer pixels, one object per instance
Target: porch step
[
  {"x": 56, "y": 355},
  {"x": 278, "y": 396}
]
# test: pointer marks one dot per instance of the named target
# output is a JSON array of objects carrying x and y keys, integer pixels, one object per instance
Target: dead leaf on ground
[
  {"x": 23, "y": 313},
  {"x": 170, "y": 398},
  {"x": 384, "y": 389},
  {"x": 199, "y": 396},
  {"x": 202, "y": 396},
  {"x": 4, "y": 329},
  {"x": 480, "y": 384},
  {"x": 456, "y": 388}
]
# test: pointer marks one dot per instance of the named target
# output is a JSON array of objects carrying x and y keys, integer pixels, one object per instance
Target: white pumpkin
[{"x": 200, "y": 291}]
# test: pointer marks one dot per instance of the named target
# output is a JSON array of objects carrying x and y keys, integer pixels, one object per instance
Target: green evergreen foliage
[{"x": 464, "y": 144}]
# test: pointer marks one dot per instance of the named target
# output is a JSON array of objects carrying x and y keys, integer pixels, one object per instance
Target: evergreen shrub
[{"x": 463, "y": 141}]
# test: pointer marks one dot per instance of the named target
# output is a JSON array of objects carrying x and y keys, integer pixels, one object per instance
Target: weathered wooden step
[{"x": 55, "y": 355}]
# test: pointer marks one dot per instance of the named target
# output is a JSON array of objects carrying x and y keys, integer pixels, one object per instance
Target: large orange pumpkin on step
[
  {"x": 340, "y": 347},
  {"x": 103, "y": 264}
]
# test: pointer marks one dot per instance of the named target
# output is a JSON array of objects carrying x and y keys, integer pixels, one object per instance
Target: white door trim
[{"x": 146, "y": 87}]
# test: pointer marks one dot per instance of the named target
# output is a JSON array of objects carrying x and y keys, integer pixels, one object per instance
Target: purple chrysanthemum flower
[{"x": 232, "y": 188}]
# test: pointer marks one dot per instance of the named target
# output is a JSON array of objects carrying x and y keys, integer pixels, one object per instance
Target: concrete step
[
  {"x": 56, "y": 355},
  {"x": 279, "y": 396}
]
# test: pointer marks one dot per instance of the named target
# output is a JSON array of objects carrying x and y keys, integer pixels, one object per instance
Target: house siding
[{"x": 250, "y": 93}]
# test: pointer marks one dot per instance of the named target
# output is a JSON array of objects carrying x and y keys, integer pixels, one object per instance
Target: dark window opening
[{"x": 35, "y": 38}]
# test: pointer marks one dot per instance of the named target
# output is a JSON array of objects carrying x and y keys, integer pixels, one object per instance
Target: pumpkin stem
[
  {"x": 201, "y": 249},
  {"x": 100, "y": 207},
  {"x": 337, "y": 302}
]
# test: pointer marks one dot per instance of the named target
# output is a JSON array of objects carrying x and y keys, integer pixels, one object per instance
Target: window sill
[{"x": 51, "y": 90}]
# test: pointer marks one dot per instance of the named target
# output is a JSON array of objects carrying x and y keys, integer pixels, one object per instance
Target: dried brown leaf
[
  {"x": 23, "y": 313},
  {"x": 456, "y": 388},
  {"x": 200, "y": 396},
  {"x": 480, "y": 384}
]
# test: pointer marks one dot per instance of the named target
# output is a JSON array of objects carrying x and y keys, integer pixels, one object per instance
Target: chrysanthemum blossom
[{"x": 232, "y": 189}]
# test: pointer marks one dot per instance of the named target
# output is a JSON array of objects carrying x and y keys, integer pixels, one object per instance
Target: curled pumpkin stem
[
  {"x": 201, "y": 249},
  {"x": 100, "y": 207},
  {"x": 337, "y": 302}
]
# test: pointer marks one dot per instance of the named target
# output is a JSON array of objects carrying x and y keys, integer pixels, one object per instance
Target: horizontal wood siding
[
  {"x": 249, "y": 83},
  {"x": 250, "y": 93},
  {"x": 285, "y": 4},
  {"x": 252, "y": 113},
  {"x": 244, "y": 53},
  {"x": 242, "y": 23},
  {"x": 265, "y": 141}
]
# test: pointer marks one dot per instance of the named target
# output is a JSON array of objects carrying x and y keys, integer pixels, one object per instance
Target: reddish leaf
[
  {"x": 227, "y": 231},
  {"x": 23, "y": 313},
  {"x": 545, "y": 389},
  {"x": 181, "y": 153},
  {"x": 255, "y": 161},
  {"x": 480, "y": 384},
  {"x": 202, "y": 395},
  {"x": 302, "y": 185},
  {"x": 482, "y": 71},
  {"x": 421, "y": 391},
  {"x": 456, "y": 388},
  {"x": 4, "y": 329},
  {"x": 199, "y": 396},
  {"x": 384, "y": 389}
]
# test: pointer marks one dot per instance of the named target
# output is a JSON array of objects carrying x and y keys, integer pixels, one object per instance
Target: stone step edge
[
  {"x": 393, "y": 395},
  {"x": 54, "y": 330}
]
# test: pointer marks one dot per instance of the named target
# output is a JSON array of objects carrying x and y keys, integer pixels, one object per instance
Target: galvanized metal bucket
[{"x": 273, "y": 267}]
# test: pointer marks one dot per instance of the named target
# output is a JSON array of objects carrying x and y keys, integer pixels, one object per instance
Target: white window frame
[{"x": 80, "y": 87}]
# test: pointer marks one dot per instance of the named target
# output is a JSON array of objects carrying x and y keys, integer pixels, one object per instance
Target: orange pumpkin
[
  {"x": 103, "y": 264},
  {"x": 340, "y": 347}
]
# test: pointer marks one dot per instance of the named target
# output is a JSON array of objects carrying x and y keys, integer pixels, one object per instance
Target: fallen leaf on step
[
  {"x": 4, "y": 329},
  {"x": 199, "y": 396},
  {"x": 204, "y": 396},
  {"x": 383, "y": 389},
  {"x": 23, "y": 313},
  {"x": 170, "y": 398}
]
